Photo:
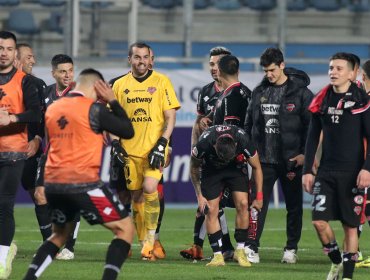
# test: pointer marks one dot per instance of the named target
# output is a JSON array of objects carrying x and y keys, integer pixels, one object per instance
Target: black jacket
[{"x": 293, "y": 114}]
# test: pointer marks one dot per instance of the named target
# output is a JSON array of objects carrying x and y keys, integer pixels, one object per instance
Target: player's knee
[
  {"x": 6, "y": 205},
  {"x": 241, "y": 205},
  {"x": 320, "y": 226},
  {"x": 124, "y": 229}
]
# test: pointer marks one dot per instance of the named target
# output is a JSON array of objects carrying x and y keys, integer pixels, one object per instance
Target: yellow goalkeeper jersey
[{"x": 145, "y": 103}]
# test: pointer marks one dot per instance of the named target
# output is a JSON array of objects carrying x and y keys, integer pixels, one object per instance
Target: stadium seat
[
  {"x": 55, "y": 22},
  {"x": 327, "y": 5},
  {"x": 359, "y": 5},
  {"x": 297, "y": 5},
  {"x": 22, "y": 22},
  {"x": 227, "y": 4},
  {"x": 51, "y": 3},
  {"x": 201, "y": 4},
  {"x": 162, "y": 4},
  {"x": 9, "y": 2},
  {"x": 92, "y": 4},
  {"x": 261, "y": 5}
]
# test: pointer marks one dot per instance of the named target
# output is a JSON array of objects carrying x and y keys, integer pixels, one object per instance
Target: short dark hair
[
  {"x": 270, "y": 56},
  {"x": 22, "y": 45},
  {"x": 60, "y": 59},
  {"x": 139, "y": 45},
  {"x": 366, "y": 68},
  {"x": 225, "y": 147},
  {"x": 357, "y": 59},
  {"x": 345, "y": 56},
  {"x": 8, "y": 35},
  {"x": 92, "y": 71},
  {"x": 229, "y": 64},
  {"x": 218, "y": 51}
]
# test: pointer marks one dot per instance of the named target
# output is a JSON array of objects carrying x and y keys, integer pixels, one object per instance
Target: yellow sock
[
  {"x": 138, "y": 217},
  {"x": 151, "y": 210}
]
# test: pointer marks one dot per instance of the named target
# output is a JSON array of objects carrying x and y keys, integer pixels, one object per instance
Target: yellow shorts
[{"x": 136, "y": 169}]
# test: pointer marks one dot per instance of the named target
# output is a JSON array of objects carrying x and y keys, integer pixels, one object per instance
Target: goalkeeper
[{"x": 150, "y": 102}]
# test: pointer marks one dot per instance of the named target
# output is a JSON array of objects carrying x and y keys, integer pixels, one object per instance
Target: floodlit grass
[{"x": 176, "y": 234}]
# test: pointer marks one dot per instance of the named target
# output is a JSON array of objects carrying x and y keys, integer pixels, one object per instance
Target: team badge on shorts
[
  {"x": 359, "y": 199},
  {"x": 291, "y": 175},
  {"x": 357, "y": 210}
]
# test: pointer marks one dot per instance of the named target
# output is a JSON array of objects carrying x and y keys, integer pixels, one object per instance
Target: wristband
[{"x": 259, "y": 196}]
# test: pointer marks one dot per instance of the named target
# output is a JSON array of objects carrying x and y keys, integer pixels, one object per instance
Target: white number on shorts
[
  {"x": 334, "y": 119},
  {"x": 321, "y": 199}
]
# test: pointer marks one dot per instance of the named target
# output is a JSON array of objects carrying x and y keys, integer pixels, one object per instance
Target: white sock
[{"x": 4, "y": 250}]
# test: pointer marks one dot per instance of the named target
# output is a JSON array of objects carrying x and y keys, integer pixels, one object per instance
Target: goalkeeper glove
[
  {"x": 118, "y": 153},
  {"x": 156, "y": 155}
]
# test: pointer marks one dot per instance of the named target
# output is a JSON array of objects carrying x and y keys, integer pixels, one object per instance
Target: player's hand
[
  {"x": 33, "y": 147},
  {"x": 203, "y": 204},
  {"x": 298, "y": 159},
  {"x": 307, "y": 182},
  {"x": 17, "y": 64},
  {"x": 204, "y": 123},
  {"x": 257, "y": 204},
  {"x": 4, "y": 117},
  {"x": 363, "y": 179},
  {"x": 156, "y": 155},
  {"x": 118, "y": 153},
  {"x": 104, "y": 91}
]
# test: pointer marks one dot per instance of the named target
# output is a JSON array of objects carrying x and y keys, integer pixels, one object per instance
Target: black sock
[
  {"x": 240, "y": 235},
  {"x": 349, "y": 260},
  {"x": 43, "y": 218},
  {"x": 116, "y": 255},
  {"x": 199, "y": 221},
  {"x": 215, "y": 240},
  {"x": 71, "y": 241},
  {"x": 332, "y": 250},
  {"x": 44, "y": 256},
  {"x": 161, "y": 212},
  {"x": 226, "y": 242}
]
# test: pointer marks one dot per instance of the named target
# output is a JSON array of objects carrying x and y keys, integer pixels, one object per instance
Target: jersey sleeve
[
  {"x": 200, "y": 103},
  {"x": 248, "y": 149},
  {"x": 170, "y": 100},
  {"x": 202, "y": 147}
]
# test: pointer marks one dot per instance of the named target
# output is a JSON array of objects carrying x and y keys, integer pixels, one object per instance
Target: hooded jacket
[{"x": 293, "y": 114}]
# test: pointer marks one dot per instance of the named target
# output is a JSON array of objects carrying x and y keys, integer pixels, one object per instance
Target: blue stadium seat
[
  {"x": 162, "y": 4},
  {"x": 201, "y": 4},
  {"x": 55, "y": 22},
  {"x": 297, "y": 5},
  {"x": 51, "y": 3},
  {"x": 359, "y": 5},
  {"x": 22, "y": 22},
  {"x": 261, "y": 5},
  {"x": 227, "y": 4},
  {"x": 9, "y": 2},
  {"x": 327, "y": 5},
  {"x": 91, "y": 4}
]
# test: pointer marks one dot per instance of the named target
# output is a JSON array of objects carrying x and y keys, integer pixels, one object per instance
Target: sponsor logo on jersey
[
  {"x": 290, "y": 107},
  {"x": 357, "y": 210},
  {"x": 205, "y": 98},
  {"x": 151, "y": 90},
  {"x": 139, "y": 100},
  {"x": 209, "y": 108},
  {"x": 349, "y": 104},
  {"x": 270, "y": 109},
  {"x": 359, "y": 199},
  {"x": 334, "y": 111},
  {"x": 272, "y": 126},
  {"x": 140, "y": 115}
]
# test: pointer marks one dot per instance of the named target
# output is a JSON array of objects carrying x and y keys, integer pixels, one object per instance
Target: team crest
[
  {"x": 126, "y": 91},
  {"x": 290, "y": 107},
  {"x": 151, "y": 90},
  {"x": 357, "y": 210},
  {"x": 359, "y": 199},
  {"x": 263, "y": 99},
  {"x": 291, "y": 175}
]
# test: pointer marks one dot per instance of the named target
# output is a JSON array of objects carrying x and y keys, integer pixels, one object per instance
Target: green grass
[{"x": 176, "y": 234}]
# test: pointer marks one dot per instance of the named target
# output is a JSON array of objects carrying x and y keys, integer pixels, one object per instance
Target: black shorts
[
  {"x": 214, "y": 181},
  {"x": 97, "y": 206},
  {"x": 336, "y": 197},
  {"x": 29, "y": 172}
]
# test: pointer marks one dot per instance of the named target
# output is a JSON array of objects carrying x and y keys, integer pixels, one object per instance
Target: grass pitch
[{"x": 176, "y": 234}]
